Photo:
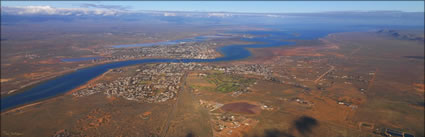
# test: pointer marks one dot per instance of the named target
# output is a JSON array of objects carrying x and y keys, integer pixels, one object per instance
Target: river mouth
[{"x": 241, "y": 108}]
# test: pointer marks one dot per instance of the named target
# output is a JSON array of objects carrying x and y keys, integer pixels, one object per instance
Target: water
[{"x": 62, "y": 84}]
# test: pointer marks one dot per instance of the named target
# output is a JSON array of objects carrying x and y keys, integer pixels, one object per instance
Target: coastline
[
  {"x": 88, "y": 83},
  {"x": 52, "y": 98}
]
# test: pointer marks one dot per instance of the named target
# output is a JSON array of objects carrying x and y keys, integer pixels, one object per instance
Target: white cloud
[
  {"x": 219, "y": 14},
  {"x": 275, "y": 16},
  {"x": 169, "y": 14},
  {"x": 48, "y": 10}
]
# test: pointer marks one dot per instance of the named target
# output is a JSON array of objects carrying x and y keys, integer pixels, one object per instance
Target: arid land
[{"x": 344, "y": 84}]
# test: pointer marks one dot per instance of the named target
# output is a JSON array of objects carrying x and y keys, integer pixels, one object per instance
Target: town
[
  {"x": 161, "y": 82},
  {"x": 184, "y": 50}
]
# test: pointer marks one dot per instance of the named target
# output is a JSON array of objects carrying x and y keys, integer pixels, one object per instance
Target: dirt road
[
  {"x": 324, "y": 74},
  {"x": 187, "y": 118}
]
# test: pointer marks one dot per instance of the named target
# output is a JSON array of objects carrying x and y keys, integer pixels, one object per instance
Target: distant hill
[{"x": 404, "y": 34}]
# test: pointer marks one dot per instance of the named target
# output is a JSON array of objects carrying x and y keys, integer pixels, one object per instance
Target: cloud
[
  {"x": 115, "y": 7},
  {"x": 219, "y": 14},
  {"x": 169, "y": 14},
  {"x": 48, "y": 10}
]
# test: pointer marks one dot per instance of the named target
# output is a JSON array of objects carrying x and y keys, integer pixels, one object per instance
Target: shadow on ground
[
  {"x": 190, "y": 135},
  {"x": 303, "y": 125}
]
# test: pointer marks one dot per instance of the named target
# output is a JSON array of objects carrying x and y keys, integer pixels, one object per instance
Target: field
[{"x": 220, "y": 82}]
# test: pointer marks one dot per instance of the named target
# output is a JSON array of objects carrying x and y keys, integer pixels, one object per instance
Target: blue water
[
  {"x": 79, "y": 59},
  {"x": 72, "y": 80}
]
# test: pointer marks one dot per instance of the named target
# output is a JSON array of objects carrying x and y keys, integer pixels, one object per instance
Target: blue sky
[{"x": 242, "y": 6}]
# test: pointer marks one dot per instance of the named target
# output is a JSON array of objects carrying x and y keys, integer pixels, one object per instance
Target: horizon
[{"x": 269, "y": 7}]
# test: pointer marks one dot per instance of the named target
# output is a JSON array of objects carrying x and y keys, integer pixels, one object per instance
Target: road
[
  {"x": 187, "y": 118},
  {"x": 324, "y": 74}
]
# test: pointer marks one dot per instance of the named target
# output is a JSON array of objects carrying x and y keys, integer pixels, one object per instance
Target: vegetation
[{"x": 227, "y": 83}]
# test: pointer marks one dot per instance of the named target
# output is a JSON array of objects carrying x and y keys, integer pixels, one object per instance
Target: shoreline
[
  {"x": 44, "y": 79},
  {"x": 30, "y": 85},
  {"x": 88, "y": 83},
  {"x": 243, "y": 53},
  {"x": 52, "y": 98}
]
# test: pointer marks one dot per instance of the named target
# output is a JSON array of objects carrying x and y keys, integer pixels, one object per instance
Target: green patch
[
  {"x": 144, "y": 82},
  {"x": 226, "y": 83}
]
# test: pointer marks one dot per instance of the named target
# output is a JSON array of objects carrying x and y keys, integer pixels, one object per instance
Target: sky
[{"x": 240, "y": 6}]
